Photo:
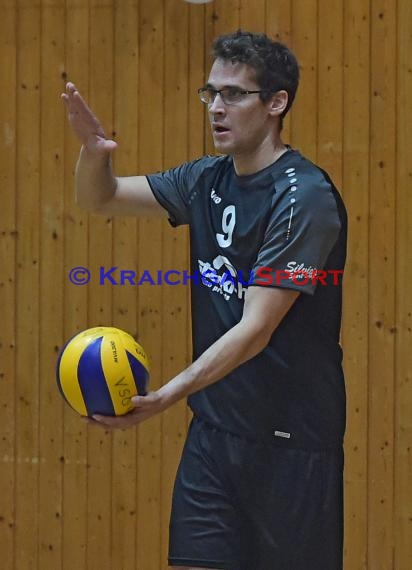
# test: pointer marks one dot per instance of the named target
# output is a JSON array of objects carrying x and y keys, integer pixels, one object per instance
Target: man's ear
[{"x": 278, "y": 103}]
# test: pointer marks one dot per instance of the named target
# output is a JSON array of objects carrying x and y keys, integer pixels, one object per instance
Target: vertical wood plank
[
  {"x": 305, "y": 45},
  {"x": 356, "y": 104},
  {"x": 330, "y": 88},
  {"x": 278, "y": 27},
  {"x": 27, "y": 300},
  {"x": 225, "y": 15},
  {"x": 51, "y": 292},
  {"x": 99, "y": 524},
  {"x": 125, "y": 87},
  {"x": 74, "y": 453},
  {"x": 381, "y": 292},
  {"x": 278, "y": 20},
  {"x": 403, "y": 378},
  {"x": 252, "y": 15},
  {"x": 151, "y": 92},
  {"x": 8, "y": 237},
  {"x": 198, "y": 125},
  {"x": 175, "y": 251},
  {"x": 211, "y": 16},
  {"x": 222, "y": 17}
]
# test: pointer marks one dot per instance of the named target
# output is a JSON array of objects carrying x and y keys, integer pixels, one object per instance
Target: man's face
[{"x": 238, "y": 129}]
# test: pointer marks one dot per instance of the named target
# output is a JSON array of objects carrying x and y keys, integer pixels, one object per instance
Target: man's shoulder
[
  {"x": 193, "y": 171},
  {"x": 299, "y": 172},
  {"x": 209, "y": 161}
]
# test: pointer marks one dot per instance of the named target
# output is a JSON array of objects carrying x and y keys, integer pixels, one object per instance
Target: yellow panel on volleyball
[
  {"x": 69, "y": 381},
  {"x": 116, "y": 367},
  {"x": 134, "y": 348}
]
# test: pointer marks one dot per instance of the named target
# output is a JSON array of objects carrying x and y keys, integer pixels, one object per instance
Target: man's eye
[{"x": 234, "y": 92}]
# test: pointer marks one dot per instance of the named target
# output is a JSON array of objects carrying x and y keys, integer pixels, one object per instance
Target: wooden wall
[{"x": 73, "y": 496}]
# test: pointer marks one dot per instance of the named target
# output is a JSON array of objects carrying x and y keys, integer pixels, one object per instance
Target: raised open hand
[{"x": 85, "y": 124}]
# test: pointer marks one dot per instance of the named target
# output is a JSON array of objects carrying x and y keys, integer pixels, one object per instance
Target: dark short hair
[{"x": 275, "y": 65}]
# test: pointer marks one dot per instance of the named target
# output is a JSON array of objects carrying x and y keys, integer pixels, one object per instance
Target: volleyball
[{"x": 100, "y": 369}]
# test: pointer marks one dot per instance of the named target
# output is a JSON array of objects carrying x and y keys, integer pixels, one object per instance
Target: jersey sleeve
[
  {"x": 175, "y": 188},
  {"x": 302, "y": 229}
]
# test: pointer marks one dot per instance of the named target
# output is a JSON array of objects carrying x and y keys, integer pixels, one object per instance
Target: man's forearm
[
  {"x": 95, "y": 182},
  {"x": 234, "y": 348},
  {"x": 263, "y": 311}
]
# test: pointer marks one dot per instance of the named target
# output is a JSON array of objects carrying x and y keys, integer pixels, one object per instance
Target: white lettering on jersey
[
  {"x": 284, "y": 434},
  {"x": 215, "y": 197},
  {"x": 221, "y": 277},
  {"x": 300, "y": 269}
]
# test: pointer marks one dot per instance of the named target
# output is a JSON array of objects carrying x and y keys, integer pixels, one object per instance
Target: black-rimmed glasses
[{"x": 229, "y": 95}]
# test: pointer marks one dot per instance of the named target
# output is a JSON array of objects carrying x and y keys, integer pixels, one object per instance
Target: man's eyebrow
[{"x": 231, "y": 85}]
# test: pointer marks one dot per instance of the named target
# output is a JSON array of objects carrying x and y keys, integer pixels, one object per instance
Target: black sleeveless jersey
[{"x": 284, "y": 226}]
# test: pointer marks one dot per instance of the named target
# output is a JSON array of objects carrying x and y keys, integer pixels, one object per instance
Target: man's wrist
[
  {"x": 98, "y": 157},
  {"x": 172, "y": 392}
]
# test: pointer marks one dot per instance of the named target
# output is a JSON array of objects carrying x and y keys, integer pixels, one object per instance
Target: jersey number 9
[{"x": 228, "y": 225}]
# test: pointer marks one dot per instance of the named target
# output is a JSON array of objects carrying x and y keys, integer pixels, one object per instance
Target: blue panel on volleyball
[
  {"x": 140, "y": 374},
  {"x": 92, "y": 381}
]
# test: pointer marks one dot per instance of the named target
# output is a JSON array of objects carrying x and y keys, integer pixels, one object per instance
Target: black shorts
[{"x": 245, "y": 505}]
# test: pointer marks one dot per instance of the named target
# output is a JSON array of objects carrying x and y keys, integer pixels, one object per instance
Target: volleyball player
[{"x": 259, "y": 486}]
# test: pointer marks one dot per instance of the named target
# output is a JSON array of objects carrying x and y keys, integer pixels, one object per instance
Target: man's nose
[{"x": 217, "y": 106}]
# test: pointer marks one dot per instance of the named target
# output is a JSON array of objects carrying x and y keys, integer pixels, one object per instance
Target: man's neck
[{"x": 246, "y": 165}]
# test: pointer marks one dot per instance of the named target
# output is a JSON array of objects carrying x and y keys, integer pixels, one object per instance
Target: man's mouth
[{"x": 220, "y": 129}]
